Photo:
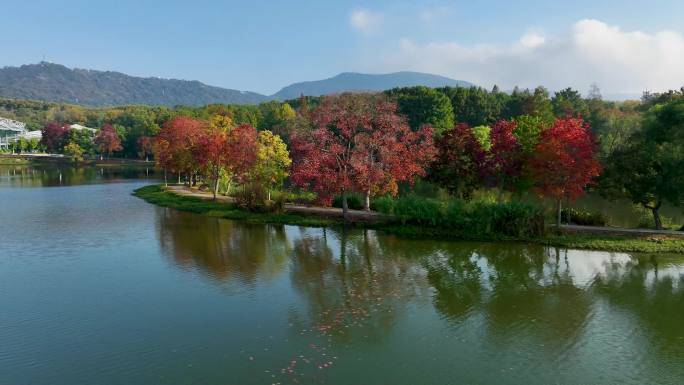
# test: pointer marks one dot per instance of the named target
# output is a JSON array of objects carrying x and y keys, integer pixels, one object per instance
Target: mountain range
[{"x": 57, "y": 83}]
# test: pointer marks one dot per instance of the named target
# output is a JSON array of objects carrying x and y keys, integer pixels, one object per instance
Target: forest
[{"x": 368, "y": 150}]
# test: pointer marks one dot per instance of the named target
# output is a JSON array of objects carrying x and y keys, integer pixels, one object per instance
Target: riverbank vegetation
[
  {"x": 463, "y": 141},
  {"x": 489, "y": 223}
]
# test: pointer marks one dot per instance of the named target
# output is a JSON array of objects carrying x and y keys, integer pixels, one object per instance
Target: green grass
[
  {"x": 157, "y": 195},
  {"x": 8, "y": 161},
  {"x": 617, "y": 243}
]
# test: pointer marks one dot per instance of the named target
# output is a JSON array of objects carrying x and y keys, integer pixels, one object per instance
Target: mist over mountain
[{"x": 57, "y": 83}]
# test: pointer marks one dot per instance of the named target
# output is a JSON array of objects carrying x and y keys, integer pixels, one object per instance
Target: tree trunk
[
  {"x": 166, "y": 183},
  {"x": 269, "y": 195},
  {"x": 558, "y": 217},
  {"x": 656, "y": 217},
  {"x": 216, "y": 185},
  {"x": 345, "y": 207},
  {"x": 179, "y": 177},
  {"x": 366, "y": 203}
]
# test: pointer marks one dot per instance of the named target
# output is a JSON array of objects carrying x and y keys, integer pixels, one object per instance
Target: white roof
[
  {"x": 11, "y": 125},
  {"x": 79, "y": 127},
  {"x": 32, "y": 135}
]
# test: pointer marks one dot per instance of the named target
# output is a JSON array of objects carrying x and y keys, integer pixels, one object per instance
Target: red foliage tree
[
  {"x": 359, "y": 143},
  {"x": 460, "y": 161},
  {"x": 162, "y": 156},
  {"x": 233, "y": 151},
  {"x": 145, "y": 144},
  {"x": 107, "y": 140},
  {"x": 505, "y": 159},
  {"x": 54, "y": 136},
  {"x": 564, "y": 162},
  {"x": 175, "y": 143}
]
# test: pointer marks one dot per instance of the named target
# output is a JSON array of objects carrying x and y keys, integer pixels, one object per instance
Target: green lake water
[{"x": 100, "y": 287}]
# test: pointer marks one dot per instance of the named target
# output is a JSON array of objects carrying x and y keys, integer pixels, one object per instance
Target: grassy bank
[{"x": 157, "y": 195}]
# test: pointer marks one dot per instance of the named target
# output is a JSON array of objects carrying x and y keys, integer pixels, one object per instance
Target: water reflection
[
  {"x": 223, "y": 249},
  {"x": 141, "y": 294},
  {"x": 347, "y": 278},
  {"x": 522, "y": 303},
  {"x": 50, "y": 175},
  {"x": 652, "y": 290}
]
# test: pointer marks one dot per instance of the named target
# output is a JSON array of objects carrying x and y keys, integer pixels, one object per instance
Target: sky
[{"x": 625, "y": 47}]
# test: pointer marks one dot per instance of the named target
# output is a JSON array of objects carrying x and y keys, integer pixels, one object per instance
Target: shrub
[
  {"x": 384, "y": 204},
  {"x": 251, "y": 196},
  {"x": 421, "y": 211},
  {"x": 354, "y": 201},
  {"x": 512, "y": 219},
  {"x": 584, "y": 218},
  {"x": 456, "y": 215}
]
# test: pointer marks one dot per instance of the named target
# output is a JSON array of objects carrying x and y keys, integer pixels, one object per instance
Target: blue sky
[{"x": 263, "y": 46}]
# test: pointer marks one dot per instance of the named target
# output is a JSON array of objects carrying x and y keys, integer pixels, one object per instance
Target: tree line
[{"x": 462, "y": 139}]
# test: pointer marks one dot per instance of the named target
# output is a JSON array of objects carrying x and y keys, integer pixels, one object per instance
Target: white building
[
  {"x": 10, "y": 130},
  {"x": 78, "y": 127}
]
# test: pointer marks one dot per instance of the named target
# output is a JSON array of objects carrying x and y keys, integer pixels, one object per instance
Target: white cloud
[
  {"x": 591, "y": 51},
  {"x": 365, "y": 21},
  {"x": 432, "y": 14}
]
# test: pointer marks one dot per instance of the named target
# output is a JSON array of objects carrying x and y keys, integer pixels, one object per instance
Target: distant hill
[
  {"x": 57, "y": 83},
  {"x": 350, "y": 81}
]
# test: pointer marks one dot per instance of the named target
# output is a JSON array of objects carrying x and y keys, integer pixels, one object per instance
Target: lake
[{"x": 100, "y": 287}]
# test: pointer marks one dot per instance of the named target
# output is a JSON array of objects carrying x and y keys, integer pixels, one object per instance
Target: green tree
[
  {"x": 423, "y": 105},
  {"x": 649, "y": 170},
  {"x": 275, "y": 114},
  {"x": 568, "y": 103},
  {"x": 527, "y": 131},
  {"x": 483, "y": 135},
  {"x": 22, "y": 144},
  {"x": 273, "y": 161},
  {"x": 474, "y": 105},
  {"x": 34, "y": 145},
  {"x": 526, "y": 102},
  {"x": 74, "y": 151},
  {"x": 84, "y": 139}
]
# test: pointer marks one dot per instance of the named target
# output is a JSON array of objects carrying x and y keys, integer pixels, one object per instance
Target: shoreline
[
  {"x": 43, "y": 159},
  {"x": 651, "y": 243}
]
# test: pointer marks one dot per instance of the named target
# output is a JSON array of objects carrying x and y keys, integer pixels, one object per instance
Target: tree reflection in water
[
  {"x": 356, "y": 285},
  {"x": 354, "y": 291},
  {"x": 223, "y": 249},
  {"x": 651, "y": 289}
]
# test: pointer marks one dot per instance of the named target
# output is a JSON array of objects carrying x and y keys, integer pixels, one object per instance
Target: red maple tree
[
  {"x": 460, "y": 161},
  {"x": 54, "y": 135},
  {"x": 145, "y": 144},
  {"x": 359, "y": 143},
  {"x": 505, "y": 159},
  {"x": 107, "y": 140},
  {"x": 564, "y": 161},
  {"x": 175, "y": 143},
  {"x": 233, "y": 151}
]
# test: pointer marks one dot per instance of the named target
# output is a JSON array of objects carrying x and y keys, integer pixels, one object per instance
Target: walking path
[
  {"x": 372, "y": 216},
  {"x": 619, "y": 231}
]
